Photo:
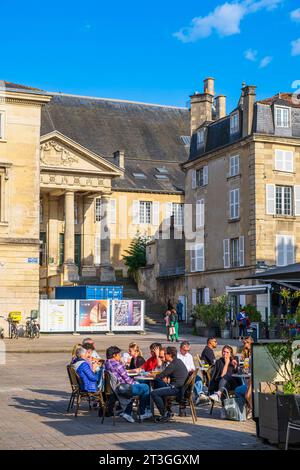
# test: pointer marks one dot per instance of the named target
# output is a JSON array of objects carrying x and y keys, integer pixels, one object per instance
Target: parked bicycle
[
  {"x": 13, "y": 319},
  {"x": 32, "y": 328}
]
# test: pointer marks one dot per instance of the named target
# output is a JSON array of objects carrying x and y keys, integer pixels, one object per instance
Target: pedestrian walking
[{"x": 173, "y": 328}]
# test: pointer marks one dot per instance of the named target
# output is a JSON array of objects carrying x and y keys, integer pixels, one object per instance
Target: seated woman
[
  {"x": 91, "y": 376},
  {"x": 222, "y": 374},
  {"x": 74, "y": 358},
  {"x": 245, "y": 390},
  {"x": 137, "y": 359}
]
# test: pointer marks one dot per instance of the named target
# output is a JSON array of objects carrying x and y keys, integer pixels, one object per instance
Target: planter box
[
  {"x": 205, "y": 331},
  {"x": 273, "y": 419}
]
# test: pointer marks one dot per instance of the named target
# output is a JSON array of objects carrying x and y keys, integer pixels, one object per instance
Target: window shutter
[
  {"x": 194, "y": 297},
  {"x": 288, "y": 160},
  {"x": 193, "y": 260},
  {"x": 290, "y": 251},
  {"x": 206, "y": 296},
  {"x": 112, "y": 211},
  {"x": 135, "y": 212},
  {"x": 242, "y": 251},
  {"x": 200, "y": 213},
  {"x": 200, "y": 257},
  {"x": 205, "y": 175},
  {"x": 168, "y": 211},
  {"x": 279, "y": 160},
  {"x": 297, "y": 200},
  {"x": 270, "y": 199},
  {"x": 280, "y": 249},
  {"x": 231, "y": 204},
  {"x": 237, "y": 203},
  {"x": 97, "y": 249},
  {"x": 155, "y": 213},
  {"x": 226, "y": 253},
  {"x": 194, "y": 184}
]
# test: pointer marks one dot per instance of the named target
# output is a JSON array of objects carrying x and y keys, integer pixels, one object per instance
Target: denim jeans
[
  {"x": 198, "y": 386},
  {"x": 159, "y": 394},
  {"x": 143, "y": 391},
  {"x": 240, "y": 391}
]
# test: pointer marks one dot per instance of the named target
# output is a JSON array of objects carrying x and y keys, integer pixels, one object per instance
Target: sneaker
[
  {"x": 165, "y": 418},
  {"x": 128, "y": 418},
  {"x": 249, "y": 415},
  {"x": 202, "y": 399},
  {"x": 146, "y": 415},
  {"x": 215, "y": 397}
]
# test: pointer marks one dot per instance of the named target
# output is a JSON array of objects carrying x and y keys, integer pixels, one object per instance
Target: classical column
[
  {"x": 70, "y": 269},
  {"x": 89, "y": 238},
  {"x": 107, "y": 272}
]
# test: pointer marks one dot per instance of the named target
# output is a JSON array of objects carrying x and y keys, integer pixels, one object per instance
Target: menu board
[
  {"x": 92, "y": 315},
  {"x": 128, "y": 315}
]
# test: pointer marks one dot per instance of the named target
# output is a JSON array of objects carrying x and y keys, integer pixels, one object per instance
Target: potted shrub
[
  {"x": 274, "y": 407},
  {"x": 205, "y": 322}
]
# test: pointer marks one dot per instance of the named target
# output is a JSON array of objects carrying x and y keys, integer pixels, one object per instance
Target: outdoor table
[{"x": 242, "y": 376}]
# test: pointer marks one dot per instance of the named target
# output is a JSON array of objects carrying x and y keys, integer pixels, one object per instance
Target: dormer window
[
  {"x": 234, "y": 123},
  {"x": 200, "y": 138},
  {"x": 282, "y": 117}
]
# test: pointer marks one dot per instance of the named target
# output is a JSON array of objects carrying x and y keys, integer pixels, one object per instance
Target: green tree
[{"x": 135, "y": 256}]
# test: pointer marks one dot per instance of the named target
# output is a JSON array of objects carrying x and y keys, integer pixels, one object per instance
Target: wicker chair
[
  {"x": 79, "y": 395},
  {"x": 294, "y": 419},
  {"x": 186, "y": 398}
]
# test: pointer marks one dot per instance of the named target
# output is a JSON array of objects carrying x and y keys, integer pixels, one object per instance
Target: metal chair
[
  {"x": 80, "y": 395},
  {"x": 186, "y": 397},
  {"x": 294, "y": 418}
]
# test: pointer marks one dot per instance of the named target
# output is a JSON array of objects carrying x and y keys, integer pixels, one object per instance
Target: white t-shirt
[{"x": 188, "y": 361}]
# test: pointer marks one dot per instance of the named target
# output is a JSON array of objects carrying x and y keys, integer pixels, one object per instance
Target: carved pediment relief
[{"x": 54, "y": 154}]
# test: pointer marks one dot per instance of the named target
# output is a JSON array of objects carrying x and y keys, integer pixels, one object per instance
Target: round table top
[{"x": 243, "y": 376}]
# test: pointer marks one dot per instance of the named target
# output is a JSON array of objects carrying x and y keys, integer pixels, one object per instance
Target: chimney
[
  {"x": 249, "y": 95},
  {"x": 220, "y": 104},
  {"x": 201, "y": 105},
  {"x": 119, "y": 159}
]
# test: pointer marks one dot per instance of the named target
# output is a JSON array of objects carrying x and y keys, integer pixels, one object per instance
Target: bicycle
[
  {"x": 32, "y": 328},
  {"x": 13, "y": 329}
]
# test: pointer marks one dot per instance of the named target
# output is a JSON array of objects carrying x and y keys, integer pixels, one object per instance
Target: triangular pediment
[{"x": 58, "y": 152}]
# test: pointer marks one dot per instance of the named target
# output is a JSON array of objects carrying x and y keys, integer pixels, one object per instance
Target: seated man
[
  {"x": 208, "y": 355},
  {"x": 177, "y": 373},
  {"x": 89, "y": 373},
  {"x": 91, "y": 342},
  {"x": 185, "y": 356},
  {"x": 154, "y": 362},
  {"x": 114, "y": 365}
]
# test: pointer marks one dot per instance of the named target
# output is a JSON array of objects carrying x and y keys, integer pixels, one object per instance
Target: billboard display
[
  {"x": 93, "y": 315},
  {"x": 128, "y": 315}
]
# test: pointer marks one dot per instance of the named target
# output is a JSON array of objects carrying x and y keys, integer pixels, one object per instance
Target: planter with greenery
[
  {"x": 136, "y": 256},
  {"x": 210, "y": 319}
]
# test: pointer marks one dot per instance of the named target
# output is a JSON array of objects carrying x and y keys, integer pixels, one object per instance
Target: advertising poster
[
  {"x": 57, "y": 315},
  {"x": 92, "y": 315},
  {"x": 128, "y": 315}
]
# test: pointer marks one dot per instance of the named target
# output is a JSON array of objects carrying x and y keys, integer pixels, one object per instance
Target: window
[
  {"x": 41, "y": 211},
  {"x": 139, "y": 176},
  {"x": 284, "y": 200},
  {"x": 162, "y": 169},
  {"x": 177, "y": 212},
  {"x": 202, "y": 176},
  {"x": 200, "y": 212},
  {"x": 75, "y": 212},
  {"x": 186, "y": 140},
  {"x": 284, "y": 160},
  {"x": 234, "y": 252},
  {"x": 285, "y": 251},
  {"x": 2, "y": 118},
  {"x": 161, "y": 177},
  {"x": 98, "y": 209},
  {"x": 282, "y": 117},
  {"x": 197, "y": 257},
  {"x": 234, "y": 165},
  {"x": 200, "y": 138},
  {"x": 234, "y": 203},
  {"x": 42, "y": 248},
  {"x": 145, "y": 212},
  {"x": 234, "y": 123},
  {"x": 61, "y": 249}
]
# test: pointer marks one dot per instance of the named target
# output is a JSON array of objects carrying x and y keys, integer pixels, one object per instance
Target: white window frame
[
  {"x": 284, "y": 160},
  {"x": 197, "y": 257},
  {"x": 281, "y": 189},
  {"x": 200, "y": 213},
  {"x": 281, "y": 122},
  {"x": 234, "y": 123},
  {"x": 202, "y": 176},
  {"x": 200, "y": 138},
  {"x": 234, "y": 165},
  {"x": 145, "y": 212},
  {"x": 286, "y": 239},
  {"x": 2, "y": 125},
  {"x": 97, "y": 209},
  {"x": 177, "y": 212},
  {"x": 234, "y": 203}
]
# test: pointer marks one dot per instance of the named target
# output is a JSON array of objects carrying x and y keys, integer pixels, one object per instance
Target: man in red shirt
[{"x": 154, "y": 360}]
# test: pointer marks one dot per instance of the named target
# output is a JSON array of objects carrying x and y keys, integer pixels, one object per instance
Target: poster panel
[
  {"x": 57, "y": 315},
  {"x": 128, "y": 315},
  {"x": 93, "y": 315}
]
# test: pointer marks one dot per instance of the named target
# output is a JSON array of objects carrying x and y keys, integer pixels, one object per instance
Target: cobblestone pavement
[{"x": 34, "y": 393}]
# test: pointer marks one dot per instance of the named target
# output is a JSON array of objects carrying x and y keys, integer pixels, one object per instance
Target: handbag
[
  {"x": 172, "y": 330},
  {"x": 125, "y": 390},
  {"x": 234, "y": 408}
]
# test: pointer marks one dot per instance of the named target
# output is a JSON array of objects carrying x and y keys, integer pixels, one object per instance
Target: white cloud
[
  {"x": 250, "y": 54},
  {"x": 265, "y": 61},
  {"x": 295, "y": 15},
  {"x": 225, "y": 19},
  {"x": 295, "y": 47}
]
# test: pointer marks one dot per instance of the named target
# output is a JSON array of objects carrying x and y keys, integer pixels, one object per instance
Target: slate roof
[
  {"x": 148, "y": 134},
  {"x": 218, "y": 132}
]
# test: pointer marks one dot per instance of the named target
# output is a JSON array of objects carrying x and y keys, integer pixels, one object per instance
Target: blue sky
[{"x": 151, "y": 51}]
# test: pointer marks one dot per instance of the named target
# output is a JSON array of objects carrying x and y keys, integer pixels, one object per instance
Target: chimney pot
[
  {"x": 220, "y": 103},
  {"x": 209, "y": 85},
  {"x": 119, "y": 159}
]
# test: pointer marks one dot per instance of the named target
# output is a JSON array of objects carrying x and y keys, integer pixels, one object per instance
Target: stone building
[{"x": 243, "y": 182}]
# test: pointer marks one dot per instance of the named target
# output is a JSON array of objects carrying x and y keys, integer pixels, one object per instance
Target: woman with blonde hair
[
  {"x": 246, "y": 351},
  {"x": 137, "y": 359},
  {"x": 73, "y": 359}
]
